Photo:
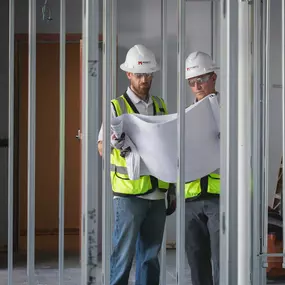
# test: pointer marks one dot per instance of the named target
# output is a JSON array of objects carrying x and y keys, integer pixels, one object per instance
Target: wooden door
[{"x": 47, "y": 146}]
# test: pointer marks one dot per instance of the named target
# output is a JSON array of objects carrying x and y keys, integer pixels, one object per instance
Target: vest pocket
[{"x": 214, "y": 185}]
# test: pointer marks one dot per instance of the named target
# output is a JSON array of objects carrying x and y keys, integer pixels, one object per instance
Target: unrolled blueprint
[{"x": 155, "y": 139}]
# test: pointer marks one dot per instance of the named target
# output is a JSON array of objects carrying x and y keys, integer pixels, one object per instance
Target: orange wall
[{"x": 47, "y": 141}]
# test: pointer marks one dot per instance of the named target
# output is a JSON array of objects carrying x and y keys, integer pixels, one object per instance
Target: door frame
[{"x": 19, "y": 39}]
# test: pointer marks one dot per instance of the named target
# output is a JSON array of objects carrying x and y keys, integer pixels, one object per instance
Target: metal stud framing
[
  {"x": 11, "y": 140},
  {"x": 164, "y": 96},
  {"x": 181, "y": 103},
  {"x": 31, "y": 143},
  {"x": 235, "y": 202},
  {"x": 90, "y": 129},
  {"x": 228, "y": 169},
  {"x": 62, "y": 140},
  {"x": 107, "y": 90},
  {"x": 244, "y": 135}
]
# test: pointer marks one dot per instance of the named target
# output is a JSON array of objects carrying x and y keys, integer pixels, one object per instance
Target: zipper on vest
[
  {"x": 204, "y": 185},
  {"x": 154, "y": 182}
]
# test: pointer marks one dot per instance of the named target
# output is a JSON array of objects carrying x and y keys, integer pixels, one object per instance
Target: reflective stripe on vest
[
  {"x": 193, "y": 188},
  {"x": 121, "y": 183}
]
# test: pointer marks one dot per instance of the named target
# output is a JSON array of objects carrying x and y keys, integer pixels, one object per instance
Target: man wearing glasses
[
  {"x": 202, "y": 195},
  {"x": 139, "y": 205}
]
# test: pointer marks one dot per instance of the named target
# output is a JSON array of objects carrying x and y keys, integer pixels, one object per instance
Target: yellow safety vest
[
  {"x": 121, "y": 184},
  {"x": 193, "y": 188}
]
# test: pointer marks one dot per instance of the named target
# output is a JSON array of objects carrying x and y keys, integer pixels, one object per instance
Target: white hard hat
[
  {"x": 199, "y": 63},
  {"x": 139, "y": 59}
]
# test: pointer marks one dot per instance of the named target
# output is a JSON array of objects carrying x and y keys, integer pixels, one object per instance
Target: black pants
[{"x": 202, "y": 240}]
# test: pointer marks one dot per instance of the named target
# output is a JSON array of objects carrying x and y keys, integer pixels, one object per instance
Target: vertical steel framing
[
  {"x": 257, "y": 144},
  {"x": 31, "y": 143},
  {"x": 181, "y": 103},
  {"x": 228, "y": 169},
  {"x": 84, "y": 155},
  {"x": 11, "y": 140},
  {"x": 114, "y": 49},
  {"x": 212, "y": 29},
  {"x": 244, "y": 199},
  {"x": 263, "y": 260},
  {"x": 283, "y": 121},
  {"x": 266, "y": 135},
  {"x": 164, "y": 49},
  {"x": 107, "y": 90},
  {"x": 90, "y": 107},
  {"x": 214, "y": 21},
  {"x": 164, "y": 96},
  {"x": 90, "y": 158},
  {"x": 62, "y": 139}
]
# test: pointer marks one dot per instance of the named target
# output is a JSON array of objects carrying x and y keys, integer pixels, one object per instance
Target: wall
[
  {"x": 275, "y": 100},
  {"x": 73, "y": 16},
  {"x": 21, "y": 26},
  {"x": 144, "y": 27},
  {"x": 4, "y": 60},
  {"x": 138, "y": 22}
]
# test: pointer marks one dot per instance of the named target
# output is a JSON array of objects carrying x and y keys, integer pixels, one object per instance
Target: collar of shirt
[{"x": 136, "y": 100}]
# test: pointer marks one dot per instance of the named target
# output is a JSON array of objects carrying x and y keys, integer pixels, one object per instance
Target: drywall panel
[
  {"x": 138, "y": 22},
  {"x": 73, "y": 16},
  {"x": 275, "y": 100}
]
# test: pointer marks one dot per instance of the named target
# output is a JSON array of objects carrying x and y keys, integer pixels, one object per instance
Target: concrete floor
[{"x": 47, "y": 272}]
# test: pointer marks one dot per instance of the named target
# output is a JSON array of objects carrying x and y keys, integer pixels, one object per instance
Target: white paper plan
[{"x": 155, "y": 139}]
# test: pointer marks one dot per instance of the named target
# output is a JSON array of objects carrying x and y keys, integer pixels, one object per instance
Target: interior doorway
[{"x": 47, "y": 145}]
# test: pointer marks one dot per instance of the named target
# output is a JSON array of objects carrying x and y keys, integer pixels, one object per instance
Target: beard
[{"x": 142, "y": 89}]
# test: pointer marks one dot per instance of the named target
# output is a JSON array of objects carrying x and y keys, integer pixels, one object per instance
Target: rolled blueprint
[{"x": 155, "y": 139}]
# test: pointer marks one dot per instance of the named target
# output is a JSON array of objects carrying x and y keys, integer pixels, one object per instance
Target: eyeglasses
[
  {"x": 199, "y": 80},
  {"x": 140, "y": 75}
]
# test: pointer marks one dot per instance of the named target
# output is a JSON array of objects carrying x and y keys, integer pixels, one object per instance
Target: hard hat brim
[
  {"x": 201, "y": 72},
  {"x": 139, "y": 69}
]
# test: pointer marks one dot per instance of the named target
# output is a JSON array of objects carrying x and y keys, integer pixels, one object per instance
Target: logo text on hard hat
[
  {"x": 143, "y": 62},
  {"x": 192, "y": 67}
]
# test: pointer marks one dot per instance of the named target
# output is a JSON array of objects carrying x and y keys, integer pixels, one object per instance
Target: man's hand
[
  {"x": 100, "y": 148},
  {"x": 171, "y": 200},
  {"x": 115, "y": 143},
  {"x": 125, "y": 152},
  {"x": 118, "y": 143}
]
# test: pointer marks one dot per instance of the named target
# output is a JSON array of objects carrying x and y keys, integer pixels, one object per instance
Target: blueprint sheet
[{"x": 155, "y": 138}]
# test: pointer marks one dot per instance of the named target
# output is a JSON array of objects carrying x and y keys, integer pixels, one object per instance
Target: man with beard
[
  {"x": 139, "y": 205},
  {"x": 202, "y": 195}
]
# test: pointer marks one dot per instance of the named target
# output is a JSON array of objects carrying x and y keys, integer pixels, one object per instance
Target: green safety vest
[
  {"x": 193, "y": 188},
  {"x": 121, "y": 184}
]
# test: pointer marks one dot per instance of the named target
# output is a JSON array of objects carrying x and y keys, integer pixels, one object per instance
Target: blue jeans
[{"x": 138, "y": 228}]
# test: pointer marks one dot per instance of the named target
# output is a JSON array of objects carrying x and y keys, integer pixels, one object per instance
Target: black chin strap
[{"x": 128, "y": 99}]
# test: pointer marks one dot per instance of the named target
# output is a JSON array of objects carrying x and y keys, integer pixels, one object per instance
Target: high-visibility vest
[
  {"x": 121, "y": 184},
  {"x": 194, "y": 189}
]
